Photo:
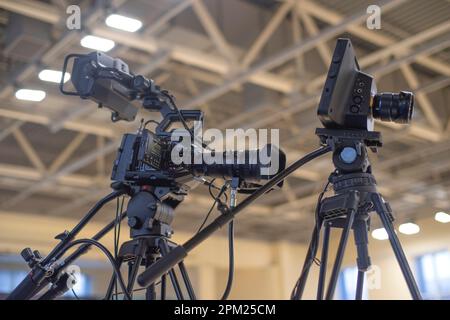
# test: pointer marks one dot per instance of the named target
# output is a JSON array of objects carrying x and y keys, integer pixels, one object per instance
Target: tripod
[
  {"x": 149, "y": 221},
  {"x": 355, "y": 197},
  {"x": 145, "y": 251}
]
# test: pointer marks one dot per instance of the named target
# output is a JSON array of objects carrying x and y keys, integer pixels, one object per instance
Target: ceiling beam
[
  {"x": 286, "y": 55},
  {"x": 424, "y": 103},
  {"x": 28, "y": 8},
  {"x": 332, "y": 16},
  {"x": 32, "y": 175},
  {"x": 28, "y": 149},
  {"x": 215, "y": 34},
  {"x": 313, "y": 30},
  {"x": 67, "y": 152},
  {"x": 33, "y": 9},
  {"x": 167, "y": 16},
  {"x": 12, "y": 125},
  {"x": 193, "y": 57},
  {"x": 266, "y": 33},
  {"x": 96, "y": 128},
  {"x": 404, "y": 46},
  {"x": 70, "y": 168}
]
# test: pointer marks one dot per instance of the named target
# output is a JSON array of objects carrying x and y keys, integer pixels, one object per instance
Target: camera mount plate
[{"x": 371, "y": 139}]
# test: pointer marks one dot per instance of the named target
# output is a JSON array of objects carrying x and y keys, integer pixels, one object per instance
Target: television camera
[{"x": 144, "y": 170}]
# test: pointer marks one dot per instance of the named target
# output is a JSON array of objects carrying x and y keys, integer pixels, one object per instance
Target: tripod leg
[
  {"x": 163, "y": 287},
  {"x": 359, "y": 285},
  {"x": 134, "y": 267},
  {"x": 300, "y": 286},
  {"x": 173, "y": 277},
  {"x": 383, "y": 212},
  {"x": 340, "y": 253},
  {"x": 176, "y": 284},
  {"x": 187, "y": 281},
  {"x": 150, "y": 292},
  {"x": 112, "y": 283},
  {"x": 323, "y": 261},
  {"x": 360, "y": 233}
]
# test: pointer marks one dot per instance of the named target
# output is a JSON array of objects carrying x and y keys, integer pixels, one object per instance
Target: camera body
[
  {"x": 144, "y": 152},
  {"x": 350, "y": 100}
]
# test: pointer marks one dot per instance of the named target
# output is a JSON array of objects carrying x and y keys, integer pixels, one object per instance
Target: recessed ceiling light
[
  {"x": 123, "y": 23},
  {"x": 97, "y": 43},
  {"x": 442, "y": 217},
  {"x": 380, "y": 234},
  {"x": 409, "y": 228},
  {"x": 53, "y": 76},
  {"x": 30, "y": 95}
]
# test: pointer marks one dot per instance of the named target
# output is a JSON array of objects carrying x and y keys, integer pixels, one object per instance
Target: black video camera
[
  {"x": 350, "y": 100},
  {"x": 144, "y": 158}
]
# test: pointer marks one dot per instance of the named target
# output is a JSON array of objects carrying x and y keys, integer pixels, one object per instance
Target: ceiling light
[
  {"x": 442, "y": 217},
  {"x": 30, "y": 95},
  {"x": 97, "y": 43},
  {"x": 123, "y": 23},
  {"x": 380, "y": 234},
  {"x": 53, "y": 76},
  {"x": 409, "y": 228}
]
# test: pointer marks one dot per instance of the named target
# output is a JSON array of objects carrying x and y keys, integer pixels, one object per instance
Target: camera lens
[{"x": 394, "y": 107}]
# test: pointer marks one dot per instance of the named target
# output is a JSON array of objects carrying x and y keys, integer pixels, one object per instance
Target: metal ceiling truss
[{"x": 225, "y": 72}]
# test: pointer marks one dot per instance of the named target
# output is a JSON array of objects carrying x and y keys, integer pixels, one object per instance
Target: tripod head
[{"x": 350, "y": 147}]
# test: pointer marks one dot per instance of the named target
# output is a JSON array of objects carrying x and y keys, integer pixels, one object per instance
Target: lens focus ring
[{"x": 394, "y": 107}]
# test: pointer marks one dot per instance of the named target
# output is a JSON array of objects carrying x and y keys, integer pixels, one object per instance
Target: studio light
[
  {"x": 123, "y": 23},
  {"x": 53, "y": 76},
  {"x": 409, "y": 228},
  {"x": 30, "y": 95},
  {"x": 97, "y": 43},
  {"x": 442, "y": 217},
  {"x": 380, "y": 234}
]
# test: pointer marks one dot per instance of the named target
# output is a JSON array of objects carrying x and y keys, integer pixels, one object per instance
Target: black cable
[
  {"x": 115, "y": 240},
  {"x": 74, "y": 294},
  {"x": 229, "y": 285},
  {"x": 180, "y": 115},
  {"x": 150, "y": 121},
  {"x": 207, "y": 216},
  {"x": 210, "y": 185},
  {"x": 311, "y": 258},
  {"x": 108, "y": 255},
  {"x": 117, "y": 224},
  {"x": 140, "y": 289},
  {"x": 119, "y": 221},
  {"x": 216, "y": 199}
]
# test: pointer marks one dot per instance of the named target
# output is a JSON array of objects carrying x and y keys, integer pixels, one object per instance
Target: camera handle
[{"x": 170, "y": 116}]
